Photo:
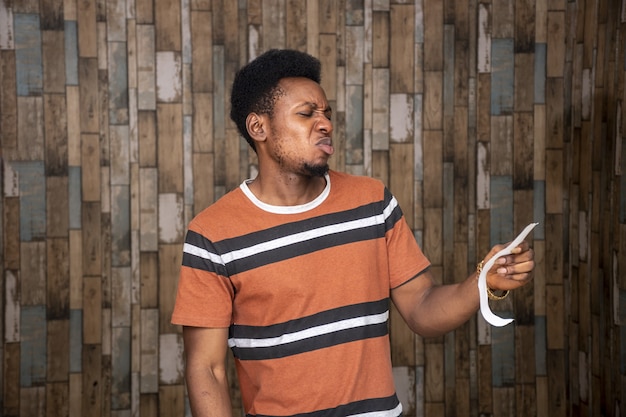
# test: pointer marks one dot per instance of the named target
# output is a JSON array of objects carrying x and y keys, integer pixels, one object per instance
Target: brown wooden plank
[
  {"x": 87, "y": 34},
  {"x": 57, "y": 399},
  {"x": 170, "y": 147},
  {"x": 171, "y": 400},
  {"x": 203, "y": 122},
  {"x": 8, "y": 101},
  {"x": 203, "y": 167},
  {"x": 92, "y": 315},
  {"x": 433, "y": 235},
  {"x": 556, "y": 383},
  {"x": 296, "y": 27},
  {"x": 402, "y": 341},
  {"x": 433, "y": 100},
  {"x": 146, "y": 126},
  {"x": 57, "y": 285},
  {"x": 149, "y": 405},
  {"x": 433, "y": 35},
  {"x": 434, "y": 387},
  {"x": 30, "y": 129},
  {"x": 433, "y": 169},
  {"x": 32, "y": 401},
  {"x": 167, "y": 19},
  {"x": 11, "y": 379},
  {"x": 401, "y": 184},
  {"x": 402, "y": 24},
  {"x": 170, "y": 259},
  {"x": 33, "y": 273},
  {"x": 53, "y": 56},
  {"x": 92, "y": 379},
  {"x": 201, "y": 52},
  {"x": 58, "y": 354},
  {"x": 380, "y": 39}
]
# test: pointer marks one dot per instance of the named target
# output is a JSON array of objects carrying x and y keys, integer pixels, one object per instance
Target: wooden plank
[
  {"x": 433, "y": 100},
  {"x": 146, "y": 70},
  {"x": 58, "y": 352},
  {"x": 33, "y": 401},
  {"x": 57, "y": 278},
  {"x": 484, "y": 38},
  {"x": 171, "y": 400},
  {"x": 354, "y": 125},
  {"x": 170, "y": 259},
  {"x": 433, "y": 169},
  {"x": 296, "y": 29},
  {"x": 53, "y": 53},
  {"x": 148, "y": 204},
  {"x": 33, "y": 273},
  {"x": 8, "y": 102},
  {"x": 202, "y": 52},
  {"x": 92, "y": 316},
  {"x": 120, "y": 368},
  {"x": 328, "y": 60},
  {"x": 556, "y": 383},
  {"x": 75, "y": 399},
  {"x": 11, "y": 378},
  {"x": 503, "y": 19},
  {"x": 502, "y": 76},
  {"x": 11, "y": 235},
  {"x": 402, "y": 341},
  {"x": 169, "y": 78},
  {"x": 12, "y": 317},
  {"x": 149, "y": 361},
  {"x": 28, "y": 56},
  {"x": 381, "y": 34},
  {"x": 120, "y": 225},
  {"x": 167, "y": 19},
  {"x": 57, "y": 399},
  {"x": 402, "y": 24},
  {"x": 170, "y": 147},
  {"x": 7, "y": 32},
  {"x": 32, "y": 351},
  {"x": 88, "y": 93},
  {"x": 92, "y": 379},
  {"x": 554, "y": 181},
  {"x": 404, "y": 378},
  {"x": 523, "y": 129},
  {"x": 87, "y": 33},
  {"x": 434, "y": 390},
  {"x": 501, "y": 147},
  {"x": 556, "y": 43},
  {"x": 433, "y": 233},
  {"x": 203, "y": 168},
  {"x": 149, "y": 279}
]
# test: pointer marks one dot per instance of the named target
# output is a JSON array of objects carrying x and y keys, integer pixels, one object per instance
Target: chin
[{"x": 316, "y": 170}]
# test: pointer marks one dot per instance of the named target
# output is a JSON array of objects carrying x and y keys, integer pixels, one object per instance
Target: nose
[{"x": 324, "y": 124}]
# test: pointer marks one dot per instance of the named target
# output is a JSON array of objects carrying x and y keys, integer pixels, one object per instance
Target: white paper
[{"x": 482, "y": 279}]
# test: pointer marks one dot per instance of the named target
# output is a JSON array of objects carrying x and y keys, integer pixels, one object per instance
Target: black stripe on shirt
[{"x": 358, "y": 407}]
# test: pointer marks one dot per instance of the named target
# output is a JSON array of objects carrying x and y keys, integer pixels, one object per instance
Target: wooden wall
[{"x": 481, "y": 116}]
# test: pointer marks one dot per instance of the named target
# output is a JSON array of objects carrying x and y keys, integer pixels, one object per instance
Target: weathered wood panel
[{"x": 480, "y": 117}]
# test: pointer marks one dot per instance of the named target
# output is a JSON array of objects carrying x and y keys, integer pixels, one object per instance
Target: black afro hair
[{"x": 255, "y": 87}]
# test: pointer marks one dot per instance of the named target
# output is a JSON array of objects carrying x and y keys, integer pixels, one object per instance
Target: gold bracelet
[{"x": 490, "y": 293}]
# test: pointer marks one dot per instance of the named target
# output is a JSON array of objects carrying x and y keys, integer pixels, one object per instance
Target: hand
[{"x": 511, "y": 271}]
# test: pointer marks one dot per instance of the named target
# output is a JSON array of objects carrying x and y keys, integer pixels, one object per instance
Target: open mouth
[{"x": 326, "y": 145}]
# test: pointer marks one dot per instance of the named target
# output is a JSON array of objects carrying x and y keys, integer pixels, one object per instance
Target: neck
[{"x": 292, "y": 190}]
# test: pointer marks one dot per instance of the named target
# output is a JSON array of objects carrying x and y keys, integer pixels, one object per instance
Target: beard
[{"x": 318, "y": 170}]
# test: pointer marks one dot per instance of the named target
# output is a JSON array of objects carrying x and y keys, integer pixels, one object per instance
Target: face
[{"x": 300, "y": 128}]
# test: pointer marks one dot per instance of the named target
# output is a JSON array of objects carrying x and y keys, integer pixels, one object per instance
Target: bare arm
[
  {"x": 433, "y": 310},
  {"x": 205, "y": 371}
]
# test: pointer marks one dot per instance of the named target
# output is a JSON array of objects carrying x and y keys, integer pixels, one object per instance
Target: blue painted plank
[
  {"x": 118, "y": 83},
  {"x": 501, "y": 224},
  {"x": 503, "y": 354},
  {"x": 120, "y": 225},
  {"x": 76, "y": 340},
  {"x": 540, "y": 73},
  {"x": 33, "y": 347},
  {"x": 28, "y": 59},
  {"x": 71, "y": 53},
  {"x": 120, "y": 368},
  {"x": 539, "y": 209},
  {"x": 502, "y": 76},
  {"x": 75, "y": 197},
  {"x": 32, "y": 189},
  {"x": 540, "y": 346}
]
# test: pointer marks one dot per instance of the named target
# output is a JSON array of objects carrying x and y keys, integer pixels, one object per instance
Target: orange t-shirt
[{"x": 305, "y": 291}]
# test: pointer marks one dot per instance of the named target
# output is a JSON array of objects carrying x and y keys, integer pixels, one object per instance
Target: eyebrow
[{"x": 316, "y": 107}]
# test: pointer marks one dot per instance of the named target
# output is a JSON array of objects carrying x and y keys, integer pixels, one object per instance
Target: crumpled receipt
[{"x": 482, "y": 279}]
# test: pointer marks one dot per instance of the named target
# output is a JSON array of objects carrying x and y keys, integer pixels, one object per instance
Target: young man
[{"x": 294, "y": 270}]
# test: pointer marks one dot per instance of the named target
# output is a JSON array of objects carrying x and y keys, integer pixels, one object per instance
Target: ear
[{"x": 256, "y": 125}]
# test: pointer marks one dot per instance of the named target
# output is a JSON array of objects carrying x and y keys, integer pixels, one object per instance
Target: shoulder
[
  {"x": 221, "y": 213},
  {"x": 361, "y": 182}
]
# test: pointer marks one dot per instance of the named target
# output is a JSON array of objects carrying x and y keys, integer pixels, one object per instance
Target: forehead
[{"x": 302, "y": 90}]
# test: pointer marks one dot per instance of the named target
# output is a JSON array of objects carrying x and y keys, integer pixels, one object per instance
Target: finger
[{"x": 516, "y": 271}]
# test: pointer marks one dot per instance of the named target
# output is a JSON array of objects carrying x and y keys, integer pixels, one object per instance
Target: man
[{"x": 294, "y": 270}]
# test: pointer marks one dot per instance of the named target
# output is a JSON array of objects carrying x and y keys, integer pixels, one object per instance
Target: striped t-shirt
[{"x": 305, "y": 291}]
